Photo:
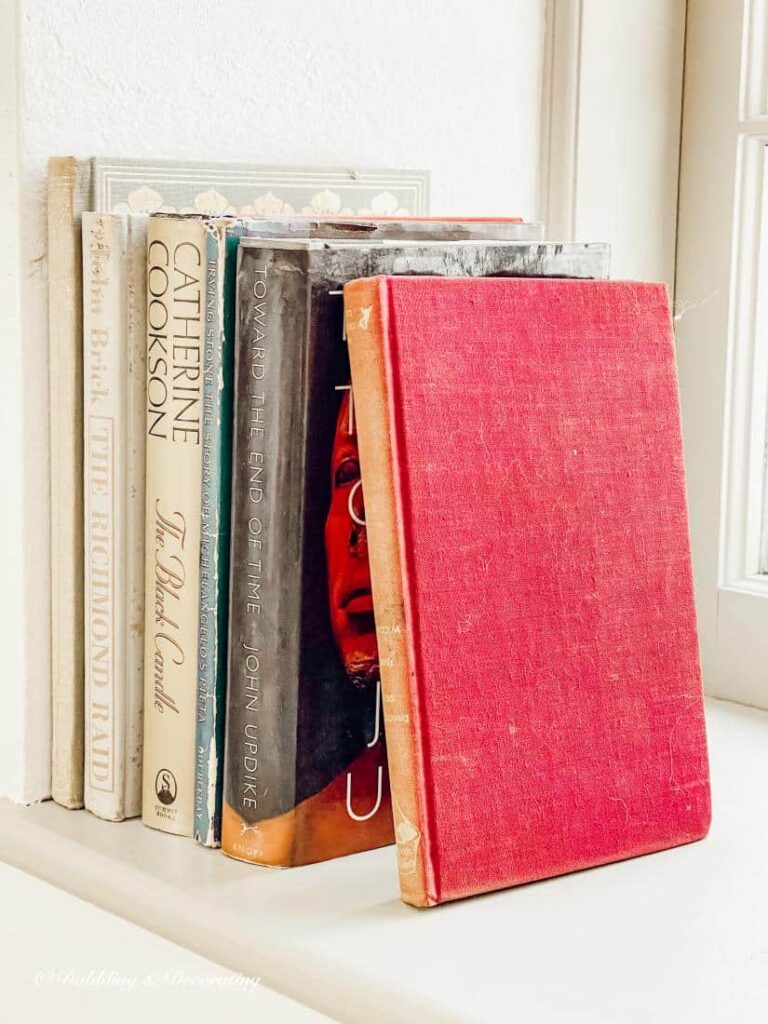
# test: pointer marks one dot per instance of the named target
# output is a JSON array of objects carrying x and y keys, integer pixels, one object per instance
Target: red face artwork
[{"x": 346, "y": 549}]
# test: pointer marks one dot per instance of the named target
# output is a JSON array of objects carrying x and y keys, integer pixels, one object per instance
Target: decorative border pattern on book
[{"x": 221, "y": 190}]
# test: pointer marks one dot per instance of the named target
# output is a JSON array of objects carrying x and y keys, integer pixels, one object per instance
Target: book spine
[
  {"x": 135, "y": 305},
  {"x": 220, "y": 258},
  {"x": 66, "y": 477},
  {"x": 365, "y": 322},
  {"x": 265, "y": 566},
  {"x": 175, "y": 311},
  {"x": 114, "y": 359},
  {"x": 104, "y": 420}
]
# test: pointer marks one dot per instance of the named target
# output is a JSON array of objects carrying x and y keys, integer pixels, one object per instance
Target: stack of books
[{"x": 384, "y": 539}]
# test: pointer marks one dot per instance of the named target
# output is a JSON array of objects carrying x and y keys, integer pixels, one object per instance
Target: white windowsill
[
  {"x": 65, "y": 960},
  {"x": 673, "y": 937}
]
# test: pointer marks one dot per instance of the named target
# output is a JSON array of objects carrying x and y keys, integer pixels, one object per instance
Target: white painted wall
[
  {"x": 12, "y": 424},
  {"x": 412, "y": 83},
  {"x": 394, "y": 83}
]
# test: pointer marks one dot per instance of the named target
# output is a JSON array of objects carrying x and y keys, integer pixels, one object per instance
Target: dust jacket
[
  {"x": 175, "y": 339},
  {"x": 305, "y": 766},
  {"x": 521, "y": 453}
]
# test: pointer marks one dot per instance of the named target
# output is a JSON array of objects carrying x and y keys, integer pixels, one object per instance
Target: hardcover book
[
  {"x": 220, "y": 270},
  {"x": 107, "y": 185},
  {"x": 305, "y": 768},
  {"x": 175, "y": 324},
  {"x": 65, "y": 330},
  {"x": 521, "y": 454},
  {"x": 216, "y": 473},
  {"x": 114, "y": 357}
]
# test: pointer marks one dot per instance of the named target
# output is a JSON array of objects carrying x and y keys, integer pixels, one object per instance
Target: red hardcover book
[{"x": 521, "y": 457}]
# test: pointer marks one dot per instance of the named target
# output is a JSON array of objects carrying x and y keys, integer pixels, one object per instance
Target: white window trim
[
  {"x": 610, "y": 129},
  {"x": 722, "y": 343}
]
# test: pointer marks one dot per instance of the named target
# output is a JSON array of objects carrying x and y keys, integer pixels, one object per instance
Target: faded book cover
[
  {"x": 305, "y": 762},
  {"x": 114, "y": 345},
  {"x": 539, "y": 657}
]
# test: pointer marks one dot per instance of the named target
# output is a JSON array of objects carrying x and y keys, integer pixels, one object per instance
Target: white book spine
[
  {"x": 68, "y": 184},
  {"x": 113, "y": 457},
  {"x": 175, "y": 322},
  {"x": 136, "y": 379}
]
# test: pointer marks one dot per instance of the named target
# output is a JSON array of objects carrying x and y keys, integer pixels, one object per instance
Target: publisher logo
[{"x": 165, "y": 786}]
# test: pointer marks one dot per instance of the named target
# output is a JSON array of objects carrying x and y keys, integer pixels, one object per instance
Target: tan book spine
[
  {"x": 104, "y": 430},
  {"x": 66, "y": 438},
  {"x": 135, "y": 306},
  {"x": 365, "y": 318},
  {"x": 114, "y": 347},
  {"x": 175, "y": 322}
]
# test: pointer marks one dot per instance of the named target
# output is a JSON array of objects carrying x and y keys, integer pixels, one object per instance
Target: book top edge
[{"x": 323, "y": 244}]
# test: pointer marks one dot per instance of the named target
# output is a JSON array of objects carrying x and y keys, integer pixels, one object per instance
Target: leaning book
[
  {"x": 305, "y": 772},
  {"x": 222, "y": 242},
  {"x": 114, "y": 346},
  {"x": 539, "y": 656}
]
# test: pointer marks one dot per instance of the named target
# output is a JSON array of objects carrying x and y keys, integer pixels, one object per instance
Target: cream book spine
[
  {"x": 175, "y": 327},
  {"x": 65, "y": 188},
  {"x": 114, "y": 359}
]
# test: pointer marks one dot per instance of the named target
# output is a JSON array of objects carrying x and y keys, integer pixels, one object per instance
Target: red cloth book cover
[{"x": 522, "y": 463}]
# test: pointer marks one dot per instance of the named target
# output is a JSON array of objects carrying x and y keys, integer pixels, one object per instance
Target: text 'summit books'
[
  {"x": 522, "y": 460},
  {"x": 305, "y": 764}
]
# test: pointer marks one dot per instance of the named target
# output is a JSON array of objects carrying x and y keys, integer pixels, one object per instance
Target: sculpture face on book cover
[
  {"x": 346, "y": 551},
  {"x": 359, "y": 789},
  {"x": 350, "y": 604},
  {"x": 341, "y": 802}
]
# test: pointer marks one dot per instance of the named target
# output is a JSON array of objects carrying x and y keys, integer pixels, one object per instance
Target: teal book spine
[{"x": 218, "y": 369}]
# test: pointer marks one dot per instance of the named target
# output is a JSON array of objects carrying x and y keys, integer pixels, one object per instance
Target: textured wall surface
[
  {"x": 402, "y": 83},
  {"x": 432, "y": 83}
]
